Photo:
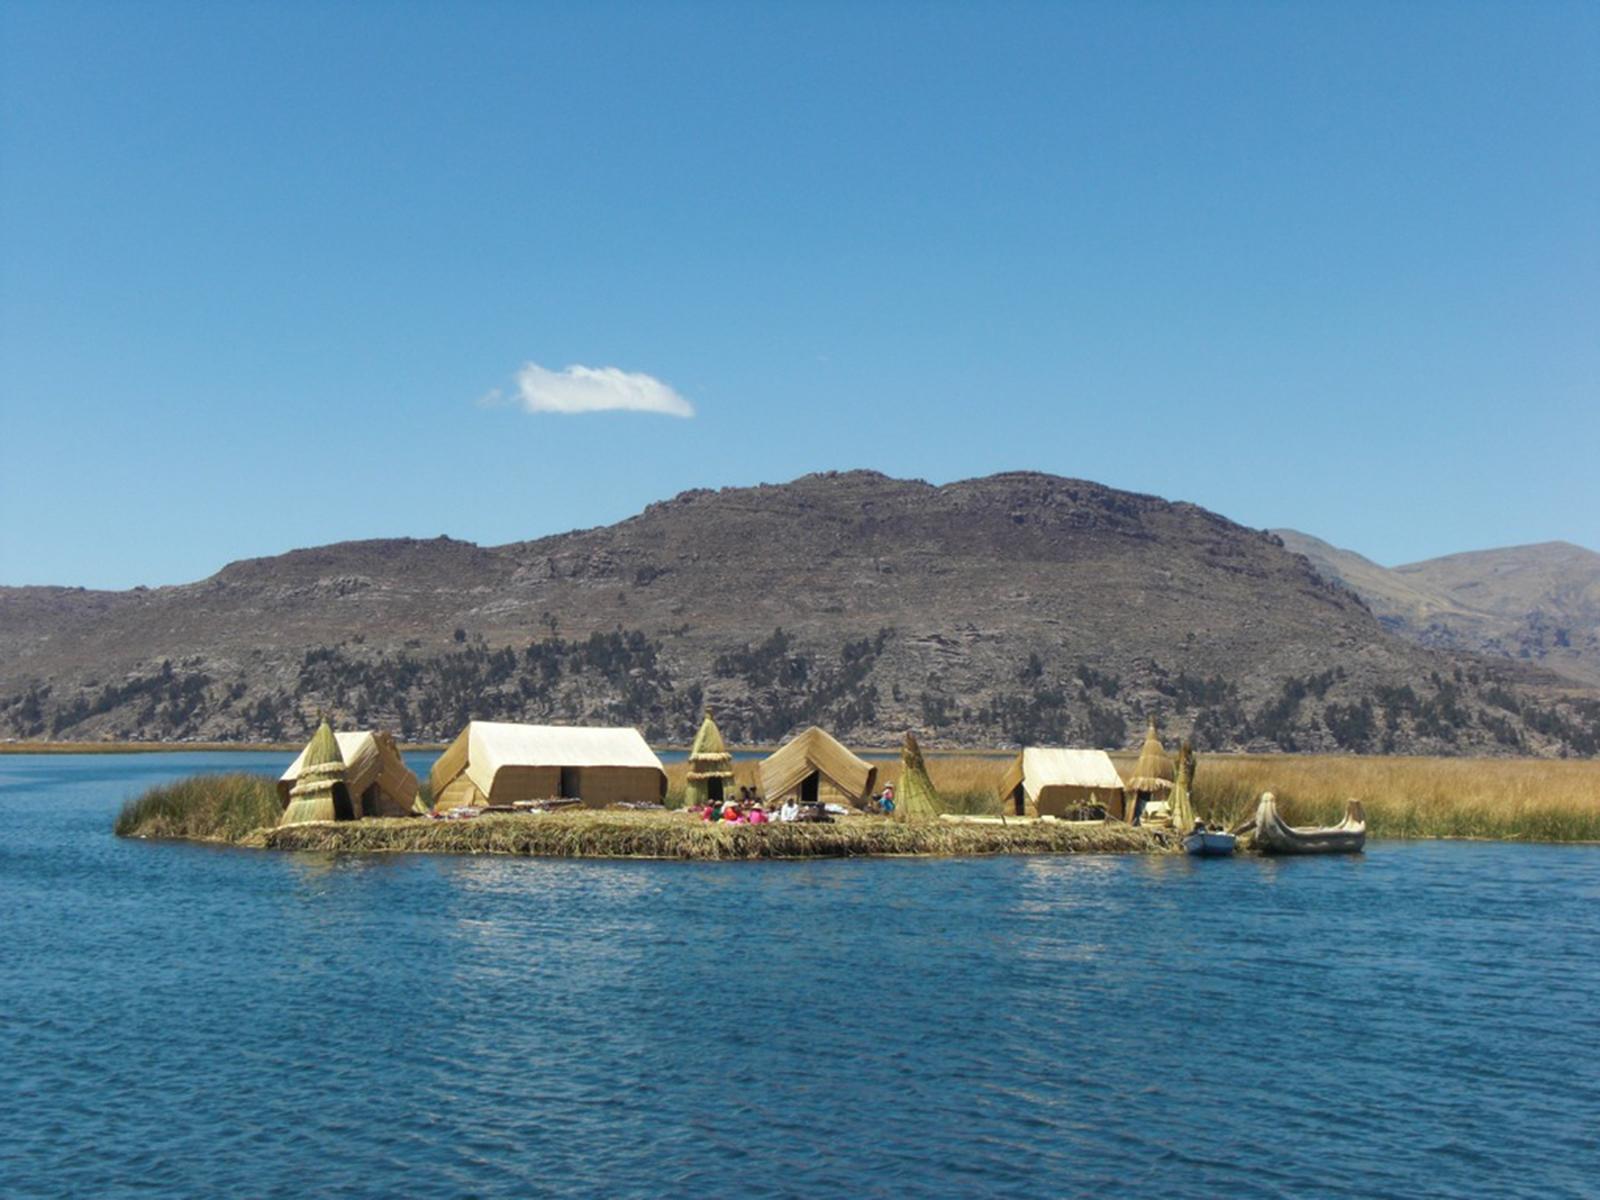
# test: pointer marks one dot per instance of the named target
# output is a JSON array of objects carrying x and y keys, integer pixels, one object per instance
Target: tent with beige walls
[
  {"x": 1046, "y": 782},
  {"x": 498, "y": 763}
]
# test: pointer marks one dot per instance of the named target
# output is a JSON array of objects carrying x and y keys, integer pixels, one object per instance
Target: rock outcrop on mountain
[
  {"x": 1537, "y": 604},
  {"x": 1015, "y": 608}
]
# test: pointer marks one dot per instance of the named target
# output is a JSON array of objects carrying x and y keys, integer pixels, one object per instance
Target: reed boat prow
[{"x": 1270, "y": 834}]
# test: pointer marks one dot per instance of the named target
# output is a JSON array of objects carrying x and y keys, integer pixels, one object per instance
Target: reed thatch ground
[
  {"x": 242, "y": 810},
  {"x": 683, "y": 836}
]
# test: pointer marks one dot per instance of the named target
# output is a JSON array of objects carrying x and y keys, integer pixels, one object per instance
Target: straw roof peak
[
  {"x": 708, "y": 741},
  {"x": 1154, "y": 770},
  {"x": 323, "y": 748}
]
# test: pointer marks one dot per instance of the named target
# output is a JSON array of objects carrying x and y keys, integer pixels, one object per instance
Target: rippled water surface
[{"x": 1423, "y": 1020}]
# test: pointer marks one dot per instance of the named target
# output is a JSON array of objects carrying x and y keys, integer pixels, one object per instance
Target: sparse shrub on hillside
[{"x": 768, "y": 689}]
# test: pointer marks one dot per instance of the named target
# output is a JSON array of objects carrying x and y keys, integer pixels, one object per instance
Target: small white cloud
[{"x": 596, "y": 389}]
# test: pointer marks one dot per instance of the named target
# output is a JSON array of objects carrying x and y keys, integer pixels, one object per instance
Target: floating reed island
[
  {"x": 682, "y": 835},
  {"x": 240, "y": 810},
  {"x": 603, "y": 793}
]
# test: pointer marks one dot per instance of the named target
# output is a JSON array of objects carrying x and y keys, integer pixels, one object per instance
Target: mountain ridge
[
  {"x": 1019, "y": 607},
  {"x": 1537, "y": 603}
]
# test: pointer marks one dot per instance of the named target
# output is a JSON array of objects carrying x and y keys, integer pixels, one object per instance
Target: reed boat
[{"x": 1270, "y": 834}]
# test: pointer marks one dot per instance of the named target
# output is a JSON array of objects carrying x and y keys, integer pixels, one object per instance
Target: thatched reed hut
[
  {"x": 814, "y": 765},
  {"x": 375, "y": 774},
  {"x": 915, "y": 797},
  {"x": 497, "y": 763},
  {"x": 710, "y": 776},
  {"x": 1152, "y": 776},
  {"x": 1046, "y": 782},
  {"x": 320, "y": 792}
]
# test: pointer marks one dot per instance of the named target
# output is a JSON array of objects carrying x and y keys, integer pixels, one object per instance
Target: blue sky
[{"x": 1329, "y": 266}]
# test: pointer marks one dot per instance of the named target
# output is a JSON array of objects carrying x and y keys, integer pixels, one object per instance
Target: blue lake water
[{"x": 1423, "y": 1020}]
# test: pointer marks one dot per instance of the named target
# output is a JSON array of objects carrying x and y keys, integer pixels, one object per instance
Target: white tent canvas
[
  {"x": 497, "y": 762},
  {"x": 1045, "y": 781}
]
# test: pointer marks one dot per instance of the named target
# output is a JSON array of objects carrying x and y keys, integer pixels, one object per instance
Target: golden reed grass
[
  {"x": 1541, "y": 800},
  {"x": 202, "y": 808},
  {"x": 1508, "y": 799},
  {"x": 1527, "y": 800}
]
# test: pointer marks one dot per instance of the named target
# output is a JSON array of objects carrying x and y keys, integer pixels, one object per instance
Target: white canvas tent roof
[
  {"x": 491, "y": 745},
  {"x": 1039, "y": 767}
]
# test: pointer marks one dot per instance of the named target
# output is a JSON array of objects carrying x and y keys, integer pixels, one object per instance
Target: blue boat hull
[{"x": 1210, "y": 845}]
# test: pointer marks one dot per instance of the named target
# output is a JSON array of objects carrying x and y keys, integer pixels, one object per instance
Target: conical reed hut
[
  {"x": 1152, "y": 775},
  {"x": 320, "y": 793},
  {"x": 710, "y": 776},
  {"x": 375, "y": 772},
  {"x": 1180, "y": 804},
  {"x": 915, "y": 799}
]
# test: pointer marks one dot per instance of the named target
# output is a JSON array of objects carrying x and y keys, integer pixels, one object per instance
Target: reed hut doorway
[
  {"x": 1019, "y": 801},
  {"x": 811, "y": 788},
  {"x": 714, "y": 789},
  {"x": 569, "y": 784},
  {"x": 343, "y": 809}
]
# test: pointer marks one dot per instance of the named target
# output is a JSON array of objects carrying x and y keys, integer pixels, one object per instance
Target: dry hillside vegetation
[
  {"x": 1016, "y": 609},
  {"x": 1537, "y": 604}
]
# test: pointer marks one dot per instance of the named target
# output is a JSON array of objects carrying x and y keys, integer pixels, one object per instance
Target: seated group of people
[{"x": 748, "y": 809}]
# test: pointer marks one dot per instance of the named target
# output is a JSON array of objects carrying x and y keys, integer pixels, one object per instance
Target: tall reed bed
[
  {"x": 1532, "y": 800},
  {"x": 1526, "y": 799},
  {"x": 202, "y": 807}
]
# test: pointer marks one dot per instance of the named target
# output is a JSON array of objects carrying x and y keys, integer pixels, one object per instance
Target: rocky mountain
[
  {"x": 1016, "y": 608},
  {"x": 1537, "y": 604}
]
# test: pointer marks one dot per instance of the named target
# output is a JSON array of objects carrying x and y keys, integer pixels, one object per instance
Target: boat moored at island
[
  {"x": 1209, "y": 843},
  {"x": 1270, "y": 834}
]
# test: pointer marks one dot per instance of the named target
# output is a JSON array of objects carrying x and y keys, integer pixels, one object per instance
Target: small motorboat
[
  {"x": 1209, "y": 843},
  {"x": 1270, "y": 834}
]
